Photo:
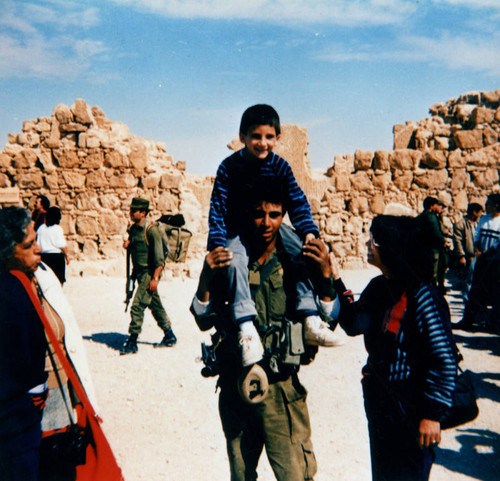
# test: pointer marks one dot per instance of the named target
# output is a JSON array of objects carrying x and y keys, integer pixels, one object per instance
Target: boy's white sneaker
[
  {"x": 250, "y": 344},
  {"x": 317, "y": 333}
]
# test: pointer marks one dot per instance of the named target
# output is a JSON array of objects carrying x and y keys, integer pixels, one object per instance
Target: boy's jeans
[{"x": 243, "y": 306}]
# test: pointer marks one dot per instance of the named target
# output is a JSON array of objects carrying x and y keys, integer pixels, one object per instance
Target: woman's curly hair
[{"x": 13, "y": 224}]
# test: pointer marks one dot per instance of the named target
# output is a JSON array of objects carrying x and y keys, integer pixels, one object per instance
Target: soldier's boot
[
  {"x": 168, "y": 340},
  {"x": 130, "y": 346}
]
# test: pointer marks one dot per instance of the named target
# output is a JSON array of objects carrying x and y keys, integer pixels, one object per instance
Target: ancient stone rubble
[{"x": 92, "y": 167}]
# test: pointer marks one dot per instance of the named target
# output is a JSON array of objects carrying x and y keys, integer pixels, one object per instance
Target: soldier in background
[{"x": 145, "y": 247}]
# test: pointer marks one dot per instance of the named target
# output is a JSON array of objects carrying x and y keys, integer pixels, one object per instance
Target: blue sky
[{"x": 183, "y": 71}]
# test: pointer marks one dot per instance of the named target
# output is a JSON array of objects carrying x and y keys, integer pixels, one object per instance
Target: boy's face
[{"x": 259, "y": 141}]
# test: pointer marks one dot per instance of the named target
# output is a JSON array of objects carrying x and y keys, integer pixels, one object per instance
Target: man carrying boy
[
  {"x": 278, "y": 421},
  {"x": 237, "y": 176},
  {"x": 148, "y": 260}
]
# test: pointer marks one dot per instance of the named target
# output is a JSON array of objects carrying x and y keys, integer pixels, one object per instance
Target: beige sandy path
[{"x": 161, "y": 415}]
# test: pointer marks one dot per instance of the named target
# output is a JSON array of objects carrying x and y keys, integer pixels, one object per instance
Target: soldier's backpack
[{"x": 175, "y": 238}]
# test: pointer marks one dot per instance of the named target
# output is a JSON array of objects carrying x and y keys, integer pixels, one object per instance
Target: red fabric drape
[{"x": 100, "y": 464}]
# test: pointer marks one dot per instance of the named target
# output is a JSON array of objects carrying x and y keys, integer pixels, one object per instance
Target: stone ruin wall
[{"x": 92, "y": 167}]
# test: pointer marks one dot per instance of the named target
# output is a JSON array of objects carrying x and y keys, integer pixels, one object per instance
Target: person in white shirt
[{"x": 50, "y": 238}]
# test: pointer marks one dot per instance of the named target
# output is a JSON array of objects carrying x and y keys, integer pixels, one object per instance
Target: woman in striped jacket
[{"x": 410, "y": 374}]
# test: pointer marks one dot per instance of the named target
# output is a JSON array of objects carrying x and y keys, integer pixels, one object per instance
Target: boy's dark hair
[
  {"x": 44, "y": 201},
  {"x": 53, "y": 216},
  {"x": 430, "y": 201},
  {"x": 260, "y": 114},
  {"x": 471, "y": 208}
]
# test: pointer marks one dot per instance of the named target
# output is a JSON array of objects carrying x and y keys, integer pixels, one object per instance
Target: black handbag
[
  {"x": 64, "y": 449},
  {"x": 464, "y": 408}
]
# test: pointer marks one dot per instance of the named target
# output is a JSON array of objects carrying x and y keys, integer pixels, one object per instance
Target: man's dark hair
[
  {"x": 268, "y": 190},
  {"x": 429, "y": 202},
  {"x": 53, "y": 216},
  {"x": 260, "y": 114},
  {"x": 474, "y": 207},
  {"x": 494, "y": 201},
  {"x": 13, "y": 224},
  {"x": 44, "y": 201},
  {"x": 402, "y": 249}
]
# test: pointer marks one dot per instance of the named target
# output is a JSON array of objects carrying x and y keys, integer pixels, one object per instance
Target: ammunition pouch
[{"x": 284, "y": 344}]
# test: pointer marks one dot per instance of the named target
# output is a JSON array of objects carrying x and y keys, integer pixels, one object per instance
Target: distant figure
[
  {"x": 464, "y": 232},
  {"x": 144, "y": 245},
  {"x": 488, "y": 229},
  {"x": 430, "y": 220},
  {"x": 42, "y": 204},
  {"x": 50, "y": 237}
]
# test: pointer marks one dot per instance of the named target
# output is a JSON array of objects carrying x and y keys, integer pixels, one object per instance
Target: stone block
[
  {"x": 354, "y": 226},
  {"x": 73, "y": 127},
  {"x": 94, "y": 160},
  {"x": 468, "y": 139},
  {"x": 151, "y": 181},
  {"x": 73, "y": 180},
  {"x": 492, "y": 97},
  {"x": 363, "y": 159},
  {"x": 96, "y": 180},
  {"x": 43, "y": 126},
  {"x": 490, "y": 136},
  {"x": 342, "y": 182},
  {"x": 25, "y": 159},
  {"x": 333, "y": 225},
  {"x": 482, "y": 115},
  {"x": 459, "y": 179},
  {"x": 12, "y": 149},
  {"x": 382, "y": 181},
  {"x": 113, "y": 248},
  {"x": 442, "y": 143},
  {"x": 343, "y": 164},
  {"x": 358, "y": 205},
  {"x": 405, "y": 159},
  {"x": 5, "y": 160},
  {"x": 4, "y": 181},
  {"x": 112, "y": 224},
  {"x": 381, "y": 160},
  {"x": 435, "y": 179},
  {"x": 402, "y": 135},
  {"x": 434, "y": 159},
  {"x": 171, "y": 181},
  {"x": 52, "y": 181},
  {"x": 28, "y": 125},
  {"x": 66, "y": 158},
  {"x": 81, "y": 112},
  {"x": 119, "y": 132},
  {"x": 87, "y": 201},
  {"x": 457, "y": 159},
  {"x": 87, "y": 225},
  {"x": 485, "y": 179},
  {"x": 181, "y": 165},
  {"x": 123, "y": 181},
  {"x": 403, "y": 180},
  {"x": 31, "y": 180},
  {"x": 333, "y": 201},
  {"x": 460, "y": 200},
  {"x": 110, "y": 201},
  {"x": 114, "y": 159},
  {"x": 377, "y": 204},
  {"x": 168, "y": 203},
  {"x": 463, "y": 112},
  {"x": 90, "y": 250},
  {"x": 45, "y": 158},
  {"x": 361, "y": 181},
  {"x": 138, "y": 156},
  {"x": 63, "y": 114}
]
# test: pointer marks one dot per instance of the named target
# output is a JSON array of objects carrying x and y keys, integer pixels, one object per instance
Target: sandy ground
[{"x": 161, "y": 416}]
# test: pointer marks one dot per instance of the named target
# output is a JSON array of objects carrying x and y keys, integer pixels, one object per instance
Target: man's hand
[
  {"x": 218, "y": 258},
  {"x": 126, "y": 243},
  {"x": 153, "y": 285},
  {"x": 429, "y": 433},
  {"x": 462, "y": 261},
  {"x": 317, "y": 251}
]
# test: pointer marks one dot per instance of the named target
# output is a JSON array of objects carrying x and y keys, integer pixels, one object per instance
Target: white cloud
[
  {"x": 473, "y": 4},
  {"x": 43, "y": 41},
  {"x": 338, "y": 12},
  {"x": 455, "y": 52}
]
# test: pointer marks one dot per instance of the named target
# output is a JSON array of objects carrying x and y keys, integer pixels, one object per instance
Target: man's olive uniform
[
  {"x": 280, "y": 423},
  {"x": 146, "y": 257}
]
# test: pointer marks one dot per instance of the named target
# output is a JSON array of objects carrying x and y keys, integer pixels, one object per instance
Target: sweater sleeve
[
  {"x": 217, "y": 230},
  {"x": 440, "y": 360},
  {"x": 298, "y": 207}
]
